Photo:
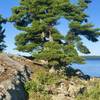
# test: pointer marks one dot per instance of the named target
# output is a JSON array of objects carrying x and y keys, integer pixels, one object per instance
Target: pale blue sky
[{"x": 93, "y": 12}]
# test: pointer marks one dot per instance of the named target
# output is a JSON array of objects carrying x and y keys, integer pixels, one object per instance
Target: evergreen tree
[
  {"x": 2, "y": 45},
  {"x": 37, "y": 20}
]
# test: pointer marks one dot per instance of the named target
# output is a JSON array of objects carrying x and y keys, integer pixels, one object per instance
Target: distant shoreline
[{"x": 91, "y": 57}]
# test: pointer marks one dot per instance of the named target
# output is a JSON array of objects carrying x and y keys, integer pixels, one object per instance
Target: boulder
[
  {"x": 75, "y": 89},
  {"x": 13, "y": 75}
]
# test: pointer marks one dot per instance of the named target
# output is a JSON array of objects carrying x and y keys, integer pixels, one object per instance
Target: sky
[{"x": 11, "y": 32}]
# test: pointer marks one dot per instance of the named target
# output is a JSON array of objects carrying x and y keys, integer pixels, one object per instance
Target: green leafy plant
[{"x": 40, "y": 82}]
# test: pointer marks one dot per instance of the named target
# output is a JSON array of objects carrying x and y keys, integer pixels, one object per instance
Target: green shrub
[
  {"x": 91, "y": 94},
  {"x": 39, "y": 83},
  {"x": 33, "y": 86},
  {"x": 38, "y": 96}
]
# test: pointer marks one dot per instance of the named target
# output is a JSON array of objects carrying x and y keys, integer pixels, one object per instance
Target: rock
[
  {"x": 62, "y": 93},
  {"x": 52, "y": 70},
  {"x": 86, "y": 77},
  {"x": 15, "y": 71},
  {"x": 60, "y": 97},
  {"x": 67, "y": 90},
  {"x": 13, "y": 75},
  {"x": 62, "y": 89},
  {"x": 75, "y": 89},
  {"x": 1, "y": 69},
  {"x": 2, "y": 92},
  {"x": 43, "y": 62},
  {"x": 79, "y": 73}
]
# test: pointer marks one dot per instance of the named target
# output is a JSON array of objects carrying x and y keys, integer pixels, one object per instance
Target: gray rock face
[{"x": 13, "y": 75}]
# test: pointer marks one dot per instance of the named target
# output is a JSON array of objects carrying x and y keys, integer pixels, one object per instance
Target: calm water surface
[{"x": 92, "y": 67}]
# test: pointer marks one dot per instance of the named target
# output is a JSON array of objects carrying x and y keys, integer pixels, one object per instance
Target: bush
[
  {"x": 91, "y": 94},
  {"x": 39, "y": 83}
]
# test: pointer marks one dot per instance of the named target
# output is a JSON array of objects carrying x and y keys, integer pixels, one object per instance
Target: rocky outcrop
[
  {"x": 67, "y": 90},
  {"x": 14, "y": 72}
]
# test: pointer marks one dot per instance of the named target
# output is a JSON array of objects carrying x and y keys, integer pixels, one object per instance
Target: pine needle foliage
[
  {"x": 36, "y": 19},
  {"x": 2, "y": 36}
]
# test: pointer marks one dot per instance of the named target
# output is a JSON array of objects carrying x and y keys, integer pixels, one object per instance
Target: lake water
[{"x": 92, "y": 67}]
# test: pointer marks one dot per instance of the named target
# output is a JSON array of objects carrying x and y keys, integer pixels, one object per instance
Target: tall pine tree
[
  {"x": 2, "y": 45},
  {"x": 37, "y": 20}
]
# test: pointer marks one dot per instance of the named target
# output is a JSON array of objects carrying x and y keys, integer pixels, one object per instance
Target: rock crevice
[{"x": 14, "y": 72}]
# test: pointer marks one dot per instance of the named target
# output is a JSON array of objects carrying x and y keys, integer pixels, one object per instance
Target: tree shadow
[
  {"x": 70, "y": 72},
  {"x": 18, "y": 93}
]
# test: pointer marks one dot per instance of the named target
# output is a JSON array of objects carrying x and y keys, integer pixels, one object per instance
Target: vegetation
[
  {"x": 37, "y": 20},
  {"x": 2, "y": 45},
  {"x": 91, "y": 94},
  {"x": 44, "y": 85},
  {"x": 38, "y": 86}
]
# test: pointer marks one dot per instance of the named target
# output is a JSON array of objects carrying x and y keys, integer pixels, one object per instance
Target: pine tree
[
  {"x": 37, "y": 20},
  {"x": 2, "y": 36}
]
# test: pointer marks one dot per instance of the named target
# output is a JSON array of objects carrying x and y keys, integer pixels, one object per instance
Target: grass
[
  {"x": 91, "y": 94},
  {"x": 41, "y": 79}
]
